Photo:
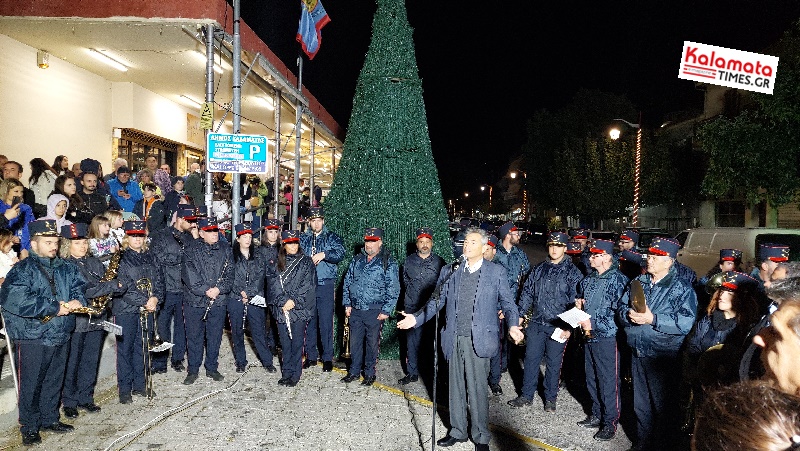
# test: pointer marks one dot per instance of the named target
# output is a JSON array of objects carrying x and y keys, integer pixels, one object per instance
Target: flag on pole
[{"x": 312, "y": 18}]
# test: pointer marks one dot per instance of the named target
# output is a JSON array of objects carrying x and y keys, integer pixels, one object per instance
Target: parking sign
[{"x": 237, "y": 153}]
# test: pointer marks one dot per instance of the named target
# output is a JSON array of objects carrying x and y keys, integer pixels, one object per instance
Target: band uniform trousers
[
  {"x": 322, "y": 322},
  {"x": 35, "y": 362},
  {"x": 82, "y": 366},
  {"x": 539, "y": 345},
  {"x": 499, "y": 362},
  {"x": 203, "y": 336},
  {"x": 656, "y": 381},
  {"x": 131, "y": 357},
  {"x": 292, "y": 349},
  {"x": 365, "y": 329},
  {"x": 413, "y": 339},
  {"x": 236, "y": 318},
  {"x": 470, "y": 393},
  {"x": 260, "y": 333},
  {"x": 171, "y": 329},
  {"x": 601, "y": 363}
]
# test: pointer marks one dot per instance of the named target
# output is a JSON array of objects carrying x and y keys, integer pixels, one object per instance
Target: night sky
[{"x": 487, "y": 68}]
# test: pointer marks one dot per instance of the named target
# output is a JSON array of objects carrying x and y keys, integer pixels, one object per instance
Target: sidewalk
[{"x": 251, "y": 412}]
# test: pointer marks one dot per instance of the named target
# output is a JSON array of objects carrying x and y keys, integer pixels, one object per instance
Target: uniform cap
[
  {"x": 290, "y": 236},
  {"x": 373, "y": 234},
  {"x": 558, "y": 238},
  {"x": 425, "y": 232},
  {"x": 135, "y": 228},
  {"x": 243, "y": 228},
  {"x": 602, "y": 247},
  {"x": 75, "y": 231},
  {"x": 44, "y": 227}
]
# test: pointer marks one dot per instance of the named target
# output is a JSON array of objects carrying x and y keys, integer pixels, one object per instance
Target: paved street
[{"x": 251, "y": 412}]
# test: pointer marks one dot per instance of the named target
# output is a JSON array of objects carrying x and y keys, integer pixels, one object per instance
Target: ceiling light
[
  {"x": 267, "y": 102},
  {"x": 99, "y": 55},
  {"x": 193, "y": 101},
  {"x": 42, "y": 59}
]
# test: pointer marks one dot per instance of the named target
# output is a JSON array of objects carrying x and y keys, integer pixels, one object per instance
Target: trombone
[{"x": 156, "y": 344}]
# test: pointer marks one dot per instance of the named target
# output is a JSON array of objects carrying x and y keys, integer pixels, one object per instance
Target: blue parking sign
[{"x": 229, "y": 152}]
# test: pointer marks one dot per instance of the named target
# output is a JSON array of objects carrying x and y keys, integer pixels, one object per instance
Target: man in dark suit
[{"x": 470, "y": 337}]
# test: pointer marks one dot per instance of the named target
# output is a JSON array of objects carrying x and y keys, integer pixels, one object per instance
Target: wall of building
[{"x": 62, "y": 110}]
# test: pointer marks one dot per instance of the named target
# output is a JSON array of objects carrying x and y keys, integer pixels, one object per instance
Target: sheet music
[
  {"x": 112, "y": 328},
  {"x": 574, "y": 316},
  {"x": 557, "y": 335},
  {"x": 258, "y": 301}
]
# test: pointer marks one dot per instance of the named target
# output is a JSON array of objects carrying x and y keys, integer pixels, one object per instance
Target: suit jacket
[{"x": 493, "y": 290}]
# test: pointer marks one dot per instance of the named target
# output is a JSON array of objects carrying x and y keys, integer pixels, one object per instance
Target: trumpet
[{"x": 346, "y": 337}]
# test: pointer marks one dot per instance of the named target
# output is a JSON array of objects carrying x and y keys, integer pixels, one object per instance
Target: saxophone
[{"x": 100, "y": 303}]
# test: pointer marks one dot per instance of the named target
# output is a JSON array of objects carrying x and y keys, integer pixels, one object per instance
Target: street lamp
[
  {"x": 614, "y": 133},
  {"x": 513, "y": 175}
]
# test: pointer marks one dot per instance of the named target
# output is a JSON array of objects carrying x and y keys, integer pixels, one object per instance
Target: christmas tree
[{"x": 387, "y": 177}]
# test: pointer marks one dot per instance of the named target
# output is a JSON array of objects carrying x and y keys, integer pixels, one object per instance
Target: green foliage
[
  {"x": 755, "y": 154},
  {"x": 387, "y": 177}
]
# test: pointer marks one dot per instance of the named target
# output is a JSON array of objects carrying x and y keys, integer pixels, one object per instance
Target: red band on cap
[
  {"x": 292, "y": 240},
  {"x": 271, "y": 227},
  {"x": 658, "y": 252},
  {"x": 242, "y": 232},
  {"x": 580, "y": 237},
  {"x": 490, "y": 244},
  {"x": 727, "y": 259},
  {"x": 595, "y": 250},
  {"x": 424, "y": 235},
  {"x": 372, "y": 238},
  {"x": 779, "y": 259},
  {"x": 210, "y": 228},
  {"x": 625, "y": 237},
  {"x": 729, "y": 285}
]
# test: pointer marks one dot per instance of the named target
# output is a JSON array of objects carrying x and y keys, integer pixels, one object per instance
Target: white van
[{"x": 700, "y": 247}]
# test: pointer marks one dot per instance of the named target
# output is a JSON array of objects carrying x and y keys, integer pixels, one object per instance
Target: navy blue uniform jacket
[{"x": 492, "y": 291}]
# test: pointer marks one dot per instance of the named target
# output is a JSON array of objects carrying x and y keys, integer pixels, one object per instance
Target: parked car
[
  {"x": 700, "y": 247},
  {"x": 646, "y": 237}
]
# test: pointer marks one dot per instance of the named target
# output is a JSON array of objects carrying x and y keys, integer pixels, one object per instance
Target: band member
[
  {"x": 271, "y": 242},
  {"x": 86, "y": 344},
  {"x": 170, "y": 244},
  {"x": 250, "y": 271},
  {"x": 655, "y": 337},
  {"x": 370, "y": 292},
  {"x": 601, "y": 292},
  {"x": 469, "y": 337},
  {"x": 420, "y": 271},
  {"x": 549, "y": 290},
  {"x": 291, "y": 295},
  {"x": 326, "y": 250},
  {"x": 37, "y": 296},
  {"x": 142, "y": 284},
  {"x": 207, "y": 275}
]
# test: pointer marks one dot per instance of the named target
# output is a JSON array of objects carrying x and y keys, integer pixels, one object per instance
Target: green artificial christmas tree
[{"x": 387, "y": 177}]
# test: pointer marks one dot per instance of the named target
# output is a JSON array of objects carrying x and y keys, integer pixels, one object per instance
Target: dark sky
[{"x": 487, "y": 68}]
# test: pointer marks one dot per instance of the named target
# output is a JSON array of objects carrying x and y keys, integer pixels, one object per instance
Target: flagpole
[
  {"x": 237, "y": 109},
  {"x": 297, "y": 131}
]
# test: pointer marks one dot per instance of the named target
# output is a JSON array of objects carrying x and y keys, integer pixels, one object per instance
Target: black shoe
[
  {"x": 368, "y": 380},
  {"x": 178, "y": 366},
  {"x": 349, "y": 378},
  {"x": 282, "y": 381},
  {"x": 605, "y": 434},
  {"x": 481, "y": 447},
  {"x": 91, "y": 407},
  {"x": 520, "y": 401},
  {"x": 241, "y": 368},
  {"x": 158, "y": 370},
  {"x": 70, "y": 412},
  {"x": 271, "y": 369},
  {"x": 327, "y": 366},
  {"x": 591, "y": 422},
  {"x": 190, "y": 378},
  {"x": 309, "y": 363},
  {"x": 31, "y": 438},
  {"x": 449, "y": 440},
  {"x": 290, "y": 383},
  {"x": 148, "y": 393},
  {"x": 58, "y": 427},
  {"x": 550, "y": 406},
  {"x": 497, "y": 390},
  {"x": 215, "y": 375},
  {"x": 125, "y": 398},
  {"x": 408, "y": 379}
]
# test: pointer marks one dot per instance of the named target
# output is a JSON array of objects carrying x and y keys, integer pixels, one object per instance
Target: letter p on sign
[{"x": 253, "y": 151}]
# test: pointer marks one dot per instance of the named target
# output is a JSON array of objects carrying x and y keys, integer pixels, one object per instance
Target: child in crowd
[
  {"x": 101, "y": 244},
  {"x": 116, "y": 219},
  {"x": 7, "y": 255}
]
